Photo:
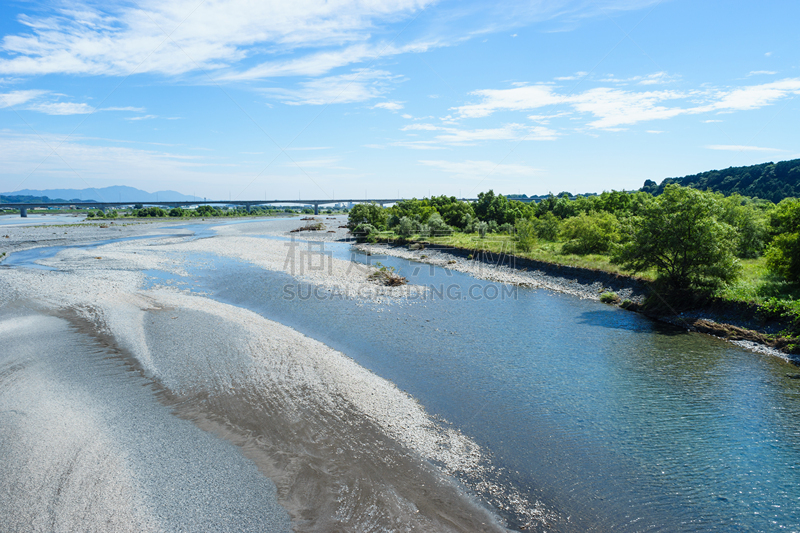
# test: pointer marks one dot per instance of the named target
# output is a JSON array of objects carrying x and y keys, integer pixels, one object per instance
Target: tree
[
  {"x": 405, "y": 227},
  {"x": 681, "y": 235},
  {"x": 547, "y": 226},
  {"x": 371, "y": 214},
  {"x": 205, "y": 211},
  {"x": 592, "y": 233},
  {"x": 783, "y": 256},
  {"x": 526, "y": 234},
  {"x": 437, "y": 226},
  {"x": 491, "y": 207}
]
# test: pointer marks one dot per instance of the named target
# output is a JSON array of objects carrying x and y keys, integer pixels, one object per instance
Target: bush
[
  {"x": 176, "y": 212},
  {"x": 526, "y": 235},
  {"x": 90, "y": 214},
  {"x": 437, "y": 225},
  {"x": 151, "y": 212},
  {"x": 547, "y": 226},
  {"x": 783, "y": 256},
  {"x": 609, "y": 298},
  {"x": 371, "y": 214},
  {"x": 482, "y": 228},
  {"x": 506, "y": 228},
  {"x": 405, "y": 227},
  {"x": 205, "y": 211},
  {"x": 590, "y": 233}
]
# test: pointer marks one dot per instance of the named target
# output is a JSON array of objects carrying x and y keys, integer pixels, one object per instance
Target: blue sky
[{"x": 349, "y": 98}]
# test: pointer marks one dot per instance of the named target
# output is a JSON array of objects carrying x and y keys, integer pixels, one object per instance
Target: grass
[
  {"x": 758, "y": 285},
  {"x": 546, "y": 251}
]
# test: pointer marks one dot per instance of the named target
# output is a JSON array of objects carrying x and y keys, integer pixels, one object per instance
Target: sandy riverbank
[{"x": 344, "y": 448}]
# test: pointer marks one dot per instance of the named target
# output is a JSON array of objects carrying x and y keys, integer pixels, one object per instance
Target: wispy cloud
[
  {"x": 762, "y": 73},
  {"x": 358, "y": 86},
  {"x": 19, "y": 97},
  {"x": 115, "y": 39},
  {"x": 615, "y": 107},
  {"x": 63, "y": 108},
  {"x": 391, "y": 106},
  {"x": 143, "y": 117},
  {"x": 458, "y": 136}
]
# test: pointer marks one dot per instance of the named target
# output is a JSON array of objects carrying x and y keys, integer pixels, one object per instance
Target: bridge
[{"x": 23, "y": 207}]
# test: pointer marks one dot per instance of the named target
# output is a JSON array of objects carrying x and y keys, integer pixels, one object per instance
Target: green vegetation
[
  {"x": 609, "y": 298},
  {"x": 682, "y": 236},
  {"x": 693, "y": 245},
  {"x": 771, "y": 181}
]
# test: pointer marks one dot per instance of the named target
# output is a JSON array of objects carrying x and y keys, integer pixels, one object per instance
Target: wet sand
[{"x": 337, "y": 447}]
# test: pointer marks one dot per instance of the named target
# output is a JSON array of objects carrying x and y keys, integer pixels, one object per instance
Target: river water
[
  {"x": 610, "y": 420},
  {"x": 613, "y": 421}
]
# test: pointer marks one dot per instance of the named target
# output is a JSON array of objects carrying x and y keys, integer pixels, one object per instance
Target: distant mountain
[
  {"x": 771, "y": 181},
  {"x": 23, "y": 199},
  {"x": 116, "y": 193}
]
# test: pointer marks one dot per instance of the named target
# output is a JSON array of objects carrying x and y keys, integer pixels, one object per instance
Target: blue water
[{"x": 613, "y": 421}]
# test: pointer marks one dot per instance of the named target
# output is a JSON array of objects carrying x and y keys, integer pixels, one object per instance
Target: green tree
[
  {"x": 750, "y": 223},
  {"x": 491, "y": 207},
  {"x": 371, "y": 214},
  {"x": 783, "y": 256},
  {"x": 590, "y": 233},
  {"x": 176, "y": 212},
  {"x": 681, "y": 235},
  {"x": 526, "y": 234},
  {"x": 205, "y": 211},
  {"x": 437, "y": 226},
  {"x": 405, "y": 228},
  {"x": 547, "y": 226}
]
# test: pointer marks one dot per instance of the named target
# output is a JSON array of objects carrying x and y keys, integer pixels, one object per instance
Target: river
[{"x": 606, "y": 419}]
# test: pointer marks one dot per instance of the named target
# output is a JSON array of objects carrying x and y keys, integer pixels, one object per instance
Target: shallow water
[{"x": 611, "y": 420}]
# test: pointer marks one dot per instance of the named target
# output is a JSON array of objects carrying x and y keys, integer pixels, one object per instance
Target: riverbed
[{"x": 451, "y": 403}]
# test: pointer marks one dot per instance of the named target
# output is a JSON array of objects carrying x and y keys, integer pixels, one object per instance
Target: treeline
[
  {"x": 693, "y": 239},
  {"x": 140, "y": 211},
  {"x": 771, "y": 181}
]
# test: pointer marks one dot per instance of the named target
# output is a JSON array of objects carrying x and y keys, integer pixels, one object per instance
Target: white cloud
[
  {"x": 122, "y": 36},
  {"x": 360, "y": 85},
  {"x": 762, "y": 73},
  {"x": 516, "y": 99},
  {"x": 19, "y": 97},
  {"x": 406, "y": 116},
  {"x": 143, "y": 117},
  {"x": 616, "y": 107},
  {"x": 62, "y": 108},
  {"x": 613, "y": 107},
  {"x": 739, "y": 148},
  {"x": 457, "y": 136},
  {"x": 576, "y": 76},
  {"x": 391, "y": 106},
  {"x": 470, "y": 169},
  {"x": 711, "y": 121},
  {"x": 656, "y": 132}
]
